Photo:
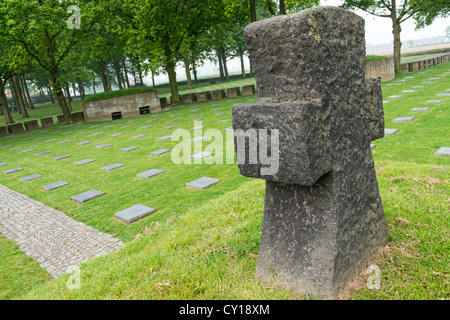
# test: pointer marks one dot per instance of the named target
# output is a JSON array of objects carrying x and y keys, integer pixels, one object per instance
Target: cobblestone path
[{"x": 47, "y": 235}]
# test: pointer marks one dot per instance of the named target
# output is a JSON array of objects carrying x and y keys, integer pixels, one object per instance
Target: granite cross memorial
[{"x": 323, "y": 216}]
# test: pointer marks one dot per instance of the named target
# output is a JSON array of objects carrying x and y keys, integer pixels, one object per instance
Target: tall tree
[
  {"x": 423, "y": 11},
  {"x": 41, "y": 27},
  {"x": 168, "y": 25}
]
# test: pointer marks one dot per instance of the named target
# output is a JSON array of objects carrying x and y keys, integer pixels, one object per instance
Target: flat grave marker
[
  {"x": 150, "y": 173},
  {"x": 112, "y": 167},
  {"x": 202, "y": 183},
  {"x": 64, "y": 156},
  {"x": 396, "y": 96},
  {"x": 42, "y": 153},
  {"x": 443, "y": 95},
  {"x": 200, "y": 139},
  {"x": 433, "y": 101},
  {"x": 404, "y": 119},
  {"x": 29, "y": 178},
  {"x": 201, "y": 155},
  {"x": 27, "y": 150},
  {"x": 103, "y": 146},
  {"x": 116, "y": 135},
  {"x": 444, "y": 151},
  {"x": 83, "y": 143},
  {"x": 127, "y": 149},
  {"x": 159, "y": 152},
  {"x": 133, "y": 214},
  {"x": 87, "y": 196},
  {"x": 13, "y": 170},
  {"x": 389, "y": 132},
  {"x": 83, "y": 162},
  {"x": 421, "y": 109},
  {"x": 169, "y": 127},
  {"x": 138, "y": 136},
  {"x": 164, "y": 138},
  {"x": 55, "y": 185}
]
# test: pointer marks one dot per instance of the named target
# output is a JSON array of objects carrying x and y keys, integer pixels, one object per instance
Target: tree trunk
[
  {"x": 282, "y": 7},
  {"x": 252, "y": 10},
  {"x": 126, "y": 72},
  {"x": 94, "y": 84},
  {"x": 57, "y": 89},
  {"x": 188, "y": 74},
  {"x": 224, "y": 61},
  {"x": 153, "y": 79},
  {"x": 242, "y": 66},
  {"x": 27, "y": 92},
  {"x": 19, "y": 98},
  {"x": 68, "y": 95},
  {"x": 81, "y": 89},
  {"x": 170, "y": 68},
  {"x": 396, "y": 29},
  {"x": 4, "y": 107},
  {"x": 74, "y": 88},
  {"x": 140, "y": 74},
  {"x": 194, "y": 71},
  {"x": 117, "y": 70},
  {"x": 105, "y": 76},
  {"x": 42, "y": 95},
  {"x": 50, "y": 93},
  {"x": 219, "y": 58}
]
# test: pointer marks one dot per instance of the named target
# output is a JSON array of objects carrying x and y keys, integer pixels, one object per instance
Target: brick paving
[{"x": 54, "y": 240}]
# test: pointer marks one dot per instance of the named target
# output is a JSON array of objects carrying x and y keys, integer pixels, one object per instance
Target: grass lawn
[{"x": 203, "y": 244}]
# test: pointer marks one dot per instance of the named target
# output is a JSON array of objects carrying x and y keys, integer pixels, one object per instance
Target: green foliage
[{"x": 117, "y": 93}]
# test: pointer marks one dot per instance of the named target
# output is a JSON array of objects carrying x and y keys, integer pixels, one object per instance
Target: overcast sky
[{"x": 379, "y": 30}]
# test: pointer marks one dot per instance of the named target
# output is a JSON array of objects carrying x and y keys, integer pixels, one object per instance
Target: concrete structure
[
  {"x": 380, "y": 68},
  {"x": 31, "y": 125},
  {"x": 78, "y": 116},
  {"x": 47, "y": 122},
  {"x": 248, "y": 90},
  {"x": 425, "y": 62},
  {"x": 3, "y": 131},
  {"x": 233, "y": 92},
  {"x": 15, "y": 128},
  {"x": 122, "y": 107},
  {"x": 203, "y": 96},
  {"x": 218, "y": 94},
  {"x": 189, "y": 97}
]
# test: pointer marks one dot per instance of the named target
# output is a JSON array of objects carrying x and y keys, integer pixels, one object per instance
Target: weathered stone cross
[{"x": 323, "y": 217}]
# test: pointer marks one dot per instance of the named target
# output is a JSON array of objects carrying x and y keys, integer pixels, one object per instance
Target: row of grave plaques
[
  {"x": 128, "y": 215},
  {"x": 218, "y": 94}
]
